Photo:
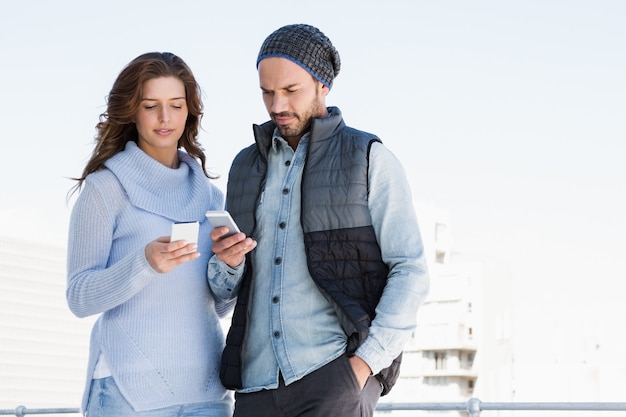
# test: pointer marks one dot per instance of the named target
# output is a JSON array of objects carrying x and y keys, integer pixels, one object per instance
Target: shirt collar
[{"x": 278, "y": 141}]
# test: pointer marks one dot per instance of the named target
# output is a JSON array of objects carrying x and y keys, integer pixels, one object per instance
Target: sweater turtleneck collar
[{"x": 180, "y": 194}]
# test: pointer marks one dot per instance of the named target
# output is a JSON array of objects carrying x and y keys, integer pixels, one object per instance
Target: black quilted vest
[{"x": 342, "y": 251}]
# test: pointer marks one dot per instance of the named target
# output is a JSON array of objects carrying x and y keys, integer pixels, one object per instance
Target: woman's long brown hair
[{"x": 116, "y": 126}]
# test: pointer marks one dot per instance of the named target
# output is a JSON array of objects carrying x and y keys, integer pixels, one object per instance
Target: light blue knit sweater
[{"x": 160, "y": 333}]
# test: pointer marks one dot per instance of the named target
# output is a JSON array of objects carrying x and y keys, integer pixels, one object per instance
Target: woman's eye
[{"x": 150, "y": 107}]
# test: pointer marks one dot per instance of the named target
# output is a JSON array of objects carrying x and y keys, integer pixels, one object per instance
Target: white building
[
  {"x": 478, "y": 337},
  {"x": 43, "y": 347},
  {"x": 449, "y": 351}
]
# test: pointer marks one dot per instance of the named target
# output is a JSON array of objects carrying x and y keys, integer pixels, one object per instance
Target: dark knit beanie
[{"x": 306, "y": 46}]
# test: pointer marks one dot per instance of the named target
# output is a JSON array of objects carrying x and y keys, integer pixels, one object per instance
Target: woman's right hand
[{"x": 163, "y": 255}]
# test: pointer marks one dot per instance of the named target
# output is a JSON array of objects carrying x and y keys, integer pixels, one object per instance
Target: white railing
[
  {"x": 21, "y": 411},
  {"x": 473, "y": 407}
]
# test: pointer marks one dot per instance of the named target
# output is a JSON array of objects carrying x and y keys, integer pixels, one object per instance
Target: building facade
[
  {"x": 451, "y": 348},
  {"x": 43, "y": 347}
]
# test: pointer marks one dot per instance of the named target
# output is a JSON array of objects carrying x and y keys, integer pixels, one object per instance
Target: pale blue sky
[{"x": 511, "y": 115}]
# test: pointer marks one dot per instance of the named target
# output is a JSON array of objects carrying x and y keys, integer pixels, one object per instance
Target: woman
[{"x": 156, "y": 347}]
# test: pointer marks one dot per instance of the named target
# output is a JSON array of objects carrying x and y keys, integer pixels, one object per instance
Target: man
[{"x": 329, "y": 295}]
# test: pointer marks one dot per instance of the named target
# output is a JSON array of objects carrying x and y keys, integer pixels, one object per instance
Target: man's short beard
[
  {"x": 295, "y": 131},
  {"x": 315, "y": 110}
]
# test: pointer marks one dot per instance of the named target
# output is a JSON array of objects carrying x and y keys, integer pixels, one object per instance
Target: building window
[
  {"x": 441, "y": 231},
  {"x": 440, "y": 360},
  {"x": 440, "y": 256}
]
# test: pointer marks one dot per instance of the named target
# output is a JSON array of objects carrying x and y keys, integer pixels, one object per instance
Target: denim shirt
[{"x": 292, "y": 328}]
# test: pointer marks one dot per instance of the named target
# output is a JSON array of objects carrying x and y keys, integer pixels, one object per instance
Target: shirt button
[
  {"x": 275, "y": 299},
  {"x": 285, "y": 191},
  {"x": 276, "y": 334},
  {"x": 287, "y": 163},
  {"x": 278, "y": 261},
  {"x": 282, "y": 225}
]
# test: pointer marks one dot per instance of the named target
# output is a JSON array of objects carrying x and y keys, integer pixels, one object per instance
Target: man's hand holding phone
[{"x": 229, "y": 244}]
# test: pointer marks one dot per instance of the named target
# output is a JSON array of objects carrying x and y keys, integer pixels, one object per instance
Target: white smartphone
[
  {"x": 185, "y": 231},
  {"x": 219, "y": 218}
]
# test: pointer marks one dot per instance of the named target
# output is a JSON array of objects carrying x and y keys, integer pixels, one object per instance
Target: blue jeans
[{"x": 106, "y": 400}]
